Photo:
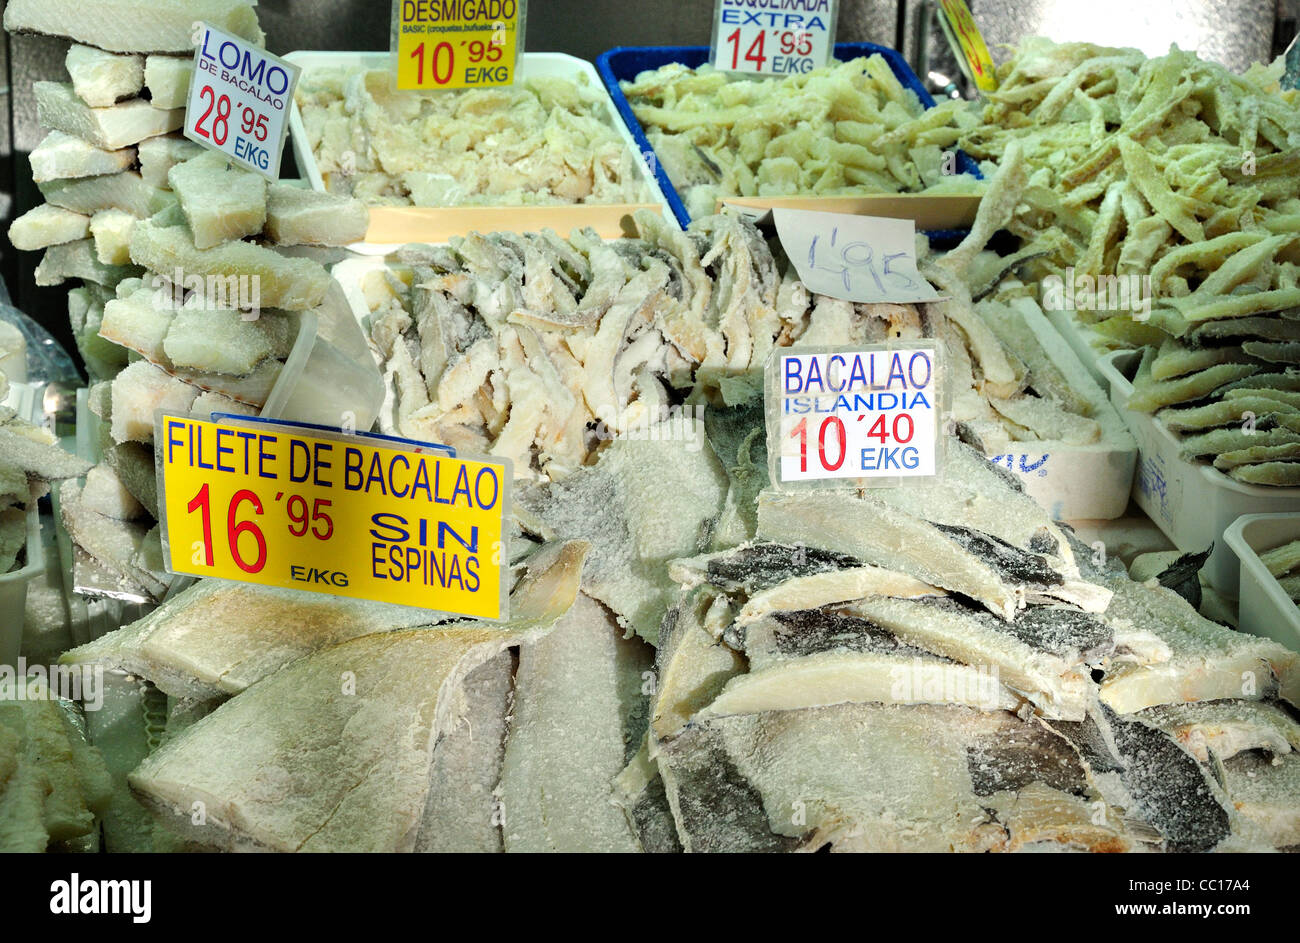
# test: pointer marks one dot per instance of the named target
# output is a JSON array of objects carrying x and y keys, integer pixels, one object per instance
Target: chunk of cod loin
[
  {"x": 133, "y": 25},
  {"x": 217, "y": 638},
  {"x": 295, "y": 763}
]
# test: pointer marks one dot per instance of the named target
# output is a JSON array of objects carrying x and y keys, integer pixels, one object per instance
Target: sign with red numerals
[
  {"x": 856, "y": 416},
  {"x": 239, "y": 101},
  {"x": 772, "y": 38}
]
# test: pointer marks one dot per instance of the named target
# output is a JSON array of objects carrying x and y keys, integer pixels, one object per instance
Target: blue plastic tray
[{"x": 627, "y": 62}]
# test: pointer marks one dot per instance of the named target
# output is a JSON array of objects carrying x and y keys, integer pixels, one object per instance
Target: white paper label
[
  {"x": 769, "y": 38},
  {"x": 868, "y": 413},
  {"x": 239, "y": 101},
  {"x": 867, "y": 259}
]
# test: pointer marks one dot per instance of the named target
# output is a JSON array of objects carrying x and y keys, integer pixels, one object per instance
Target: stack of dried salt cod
[
  {"x": 542, "y": 349},
  {"x": 847, "y": 128},
  {"x": 943, "y": 668},
  {"x": 30, "y": 459},
  {"x": 1177, "y": 170}
]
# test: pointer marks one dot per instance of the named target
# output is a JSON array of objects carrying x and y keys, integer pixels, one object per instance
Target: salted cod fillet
[
  {"x": 1267, "y": 794},
  {"x": 813, "y": 658},
  {"x": 875, "y": 533},
  {"x": 218, "y": 638},
  {"x": 133, "y": 25},
  {"x": 1223, "y": 729},
  {"x": 460, "y": 810},
  {"x": 298, "y": 762},
  {"x": 1144, "y": 771},
  {"x": 869, "y": 778},
  {"x": 642, "y": 504},
  {"x": 578, "y": 712},
  {"x": 1206, "y": 661}
]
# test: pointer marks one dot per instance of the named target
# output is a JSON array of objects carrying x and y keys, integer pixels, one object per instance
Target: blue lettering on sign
[{"x": 247, "y": 64}]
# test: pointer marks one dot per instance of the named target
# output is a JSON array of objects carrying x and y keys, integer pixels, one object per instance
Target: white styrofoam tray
[
  {"x": 1265, "y": 608},
  {"x": 1089, "y": 346},
  {"x": 1193, "y": 502},
  {"x": 1074, "y": 482},
  {"x": 531, "y": 65}
]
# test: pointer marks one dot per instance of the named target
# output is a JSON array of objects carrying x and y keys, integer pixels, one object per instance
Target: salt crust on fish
[
  {"x": 61, "y": 155},
  {"x": 578, "y": 710},
  {"x": 110, "y": 128},
  {"x": 133, "y": 25}
]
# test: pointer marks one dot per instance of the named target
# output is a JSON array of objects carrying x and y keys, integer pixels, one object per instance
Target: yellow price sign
[
  {"x": 456, "y": 43},
  {"x": 965, "y": 38},
  {"x": 348, "y": 515}
]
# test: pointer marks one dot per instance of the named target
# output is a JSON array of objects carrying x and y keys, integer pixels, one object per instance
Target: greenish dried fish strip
[
  {"x": 1150, "y": 395},
  {"x": 1284, "y": 474}
]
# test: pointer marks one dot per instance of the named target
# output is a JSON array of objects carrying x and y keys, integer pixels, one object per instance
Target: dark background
[{"x": 1234, "y": 32}]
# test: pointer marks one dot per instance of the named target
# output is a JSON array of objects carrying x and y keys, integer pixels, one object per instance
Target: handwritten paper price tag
[{"x": 867, "y": 259}]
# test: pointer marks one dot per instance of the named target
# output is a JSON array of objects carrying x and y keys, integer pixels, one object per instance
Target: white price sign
[
  {"x": 868, "y": 413},
  {"x": 772, "y": 37},
  {"x": 867, "y": 259},
  {"x": 239, "y": 101}
]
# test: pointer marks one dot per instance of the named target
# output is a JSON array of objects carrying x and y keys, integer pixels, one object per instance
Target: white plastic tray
[
  {"x": 1265, "y": 609},
  {"x": 1193, "y": 502},
  {"x": 605, "y": 218},
  {"x": 1074, "y": 482}
]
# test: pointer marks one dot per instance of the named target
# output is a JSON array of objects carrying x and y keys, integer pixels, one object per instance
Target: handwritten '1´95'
[{"x": 859, "y": 257}]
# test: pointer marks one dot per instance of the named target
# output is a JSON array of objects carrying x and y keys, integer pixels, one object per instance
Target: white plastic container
[
  {"x": 329, "y": 378},
  {"x": 1074, "y": 482},
  {"x": 434, "y": 224},
  {"x": 1193, "y": 502},
  {"x": 1265, "y": 609}
]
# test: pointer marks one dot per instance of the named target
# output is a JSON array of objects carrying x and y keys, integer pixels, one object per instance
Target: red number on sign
[
  {"x": 200, "y": 503},
  {"x": 800, "y": 432},
  {"x": 261, "y": 131},
  {"x": 235, "y": 531},
  {"x": 320, "y": 516},
  {"x": 212, "y": 100},
  {"x": 910, "y": 428},
  {"x": 442, "y": 78},
  {"x": 299, "y": 517},
  {"x": 757, "y": 58},
  {"x": 877, "y": 430},
  {"x": 418, "y": 55},
  {"x": 221, "y": 121},
  {"x": 821, "y": 442}
]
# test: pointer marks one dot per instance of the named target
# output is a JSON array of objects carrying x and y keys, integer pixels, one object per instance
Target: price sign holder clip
[{"x": 852, "y": 417}]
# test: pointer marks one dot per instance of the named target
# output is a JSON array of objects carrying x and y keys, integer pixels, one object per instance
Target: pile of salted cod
[
  {"x": 695, "y": 660},
  {"x": 541, "y": 349},
  {"x": 195, "y": 275}
]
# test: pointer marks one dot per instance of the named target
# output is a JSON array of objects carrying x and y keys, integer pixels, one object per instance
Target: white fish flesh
[
  {"x": 61, "y": 155},
  {"x": 577, "y": 705},
  {"x": 133, "y": 25},
  {"x": 117, "y": 126}
]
